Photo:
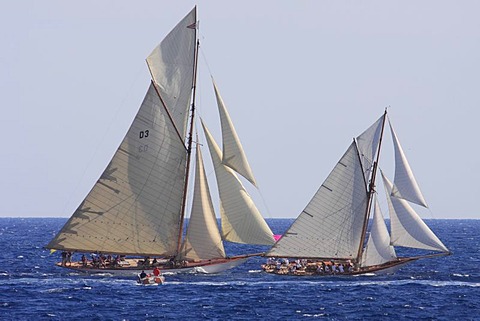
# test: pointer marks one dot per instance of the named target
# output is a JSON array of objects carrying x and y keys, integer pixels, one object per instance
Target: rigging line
[
  {"x": 265, "y": 203},
  {"x": 205, "y": 61},
  {"x": 109, "y": 126}
]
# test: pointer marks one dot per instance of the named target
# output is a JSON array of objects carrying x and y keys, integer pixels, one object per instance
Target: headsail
[
  {"x": 378, "y": 249},
  {"x": 171, "y": 65},
  {"x": 407, "y": 228},
  {"x": 331, "y": 225},
  {"x": 233, "y": 154},
  {"x": 125, "y": 211},
  {"x": 405, "y": 186},
  {"x": 202, "y": 240},
  {"x": 241, "y": 220}
]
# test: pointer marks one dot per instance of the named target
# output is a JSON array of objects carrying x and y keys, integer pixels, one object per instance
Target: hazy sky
[{"x": 300, "y": 79}]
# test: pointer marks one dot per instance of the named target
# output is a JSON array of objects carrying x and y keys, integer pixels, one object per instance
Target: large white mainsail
[
  {"x": 331, "y": 225},
  {"x": 233, "y": 154},
  {"x": 378, "y": 249},
  {"x": 202, "y": 240},
  {"x": 241, "y": 220},
  {"x": 171, "y": 66},
  {"x": 134, "y": 208},
  {"x": 405, "y": 186},
  {"x": 407, "y": 228}
]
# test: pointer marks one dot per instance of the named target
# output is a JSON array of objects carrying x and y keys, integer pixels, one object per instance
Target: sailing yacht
[
  {"x": 330, "y": 234},
  {"x": 133, "y": 218}
]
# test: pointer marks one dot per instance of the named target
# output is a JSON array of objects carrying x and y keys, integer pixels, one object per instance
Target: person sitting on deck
[
  {"x": 64, "y": 258},
  {"x": 142, "y": 275},
  {"x": 101, "y": 262},
  {"x": 171, "y": 262},
  {"x": 327, "y": 269},
  {"x": 351, "y": 268},
  {"x": 69, "y": 258},
  {"x": 278, "y": 266},
  {"x": 298, "y": 264},
  {"x": 95, "y": 260},
  {"x": 84, "y": 260},
  {"x": 292, "y": 268},
  {"x": 334, "y": 268}
]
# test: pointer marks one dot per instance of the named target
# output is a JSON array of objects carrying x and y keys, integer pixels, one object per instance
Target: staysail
[
  {"x": 233, "y": 154},
  {"x": 378, "y": 249},
  {"x": 407, "y": 228},
  {"x": 331, "y": 225},
  {"x": 405, "y": 186},
  {"x": 241, "y": 220},
  {"x": 202, "y": 240},
  {"x": 125, "y": 211}
]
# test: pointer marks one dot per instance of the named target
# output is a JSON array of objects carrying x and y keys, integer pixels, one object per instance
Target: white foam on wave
[
  {"x": 152, "y": 284},
  {"x": 461, "y": 275},
  {"x": 336, "y": 283},
  {"x": 209, "y": 283},
  {"x": 56, "y": 290}
]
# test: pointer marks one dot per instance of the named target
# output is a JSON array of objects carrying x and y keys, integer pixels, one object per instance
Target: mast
[
  {"x": 370, "y": 192},
  {"x": 189, "y": 149}
]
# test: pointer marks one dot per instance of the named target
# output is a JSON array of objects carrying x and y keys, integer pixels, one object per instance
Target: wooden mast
[
  {"x": 189, "y": 148},
  {"x": 371, "y": 191}
]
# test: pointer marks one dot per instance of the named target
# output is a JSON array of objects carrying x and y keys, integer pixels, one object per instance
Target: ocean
[{"x": 32, "y": 288}]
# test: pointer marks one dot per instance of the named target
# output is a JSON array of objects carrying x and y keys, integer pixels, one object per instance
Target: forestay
[
  {"x": 241, "y": 220},
  {"x": 331, "y": 225},
  {"x": 134, "y": 208}
]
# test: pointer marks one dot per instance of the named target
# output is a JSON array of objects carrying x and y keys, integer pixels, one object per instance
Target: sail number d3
[
  {"x": 143, "y": 134},
  {"x": 143, "y": 148}
]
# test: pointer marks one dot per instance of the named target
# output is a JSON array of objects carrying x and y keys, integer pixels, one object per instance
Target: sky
[{"x": 300, "y": 80}]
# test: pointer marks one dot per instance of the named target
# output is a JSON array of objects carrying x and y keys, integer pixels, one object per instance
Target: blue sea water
[{"x": 32, "y": 288}]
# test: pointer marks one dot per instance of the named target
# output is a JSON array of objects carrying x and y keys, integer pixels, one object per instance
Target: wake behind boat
[
  {"x": 329, "y": 236},
  {"x": 136, "y": 210}
]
